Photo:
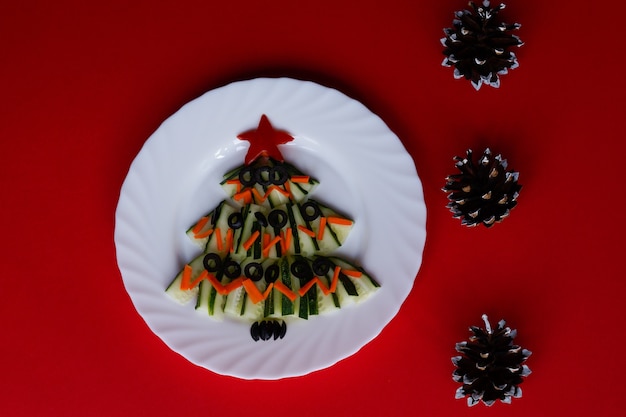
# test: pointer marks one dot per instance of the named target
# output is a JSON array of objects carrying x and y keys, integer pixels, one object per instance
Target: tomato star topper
[{"x": 264, "y": 141}]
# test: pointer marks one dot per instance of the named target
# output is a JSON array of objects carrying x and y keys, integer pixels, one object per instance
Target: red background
[{"x": 83, "y": 84}]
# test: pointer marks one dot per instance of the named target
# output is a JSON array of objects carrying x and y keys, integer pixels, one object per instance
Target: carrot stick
[
  {"x": 288, "y": 188},
  {"x": 285, "y": 240},
  {"x": 323, "y": 287},
  {"x": 245, "y": 196},
  {"x": 339, "y": 221},
  {"x": 352, "y": 273},
  {"x": 306, "y": 231},
  {"x": 248, "y": 243},
  {"x": 236, "y": 182},
  {"x": 268, "y": 247},
  {"x": 285, "y": 290},
  {"x": 320, "y": 231},
  {"x": 299, "y": 178},
  {"x": 254, "y": 293},
  {"x": 218, "y": 237},
  {"x": 308, "y": 285},
  {"x": 258, "y": 197},
  {"x": 266, "y": 239},
  {"x": 186, "y": 283},
  {"x": 303, "y": 290},
  {"x": 216, "y": 284},
  {"x": 224, "y": 289},
  {"x": 233, "y": 285},
  {"x": 200, "y": 225},
  {"x": 203, "y": 234},
  {"x": 333, "y": 283},
  {"x": 277, "y": 188},
  {"x": 229, "y": 240},
  {"x": 267, "y": 291}
]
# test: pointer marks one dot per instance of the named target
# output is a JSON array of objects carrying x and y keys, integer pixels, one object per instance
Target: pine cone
[
  {"x": 478, "y": 45},
  {"x": 485, "y": 192},
  {"x": 491, "y": 366}
]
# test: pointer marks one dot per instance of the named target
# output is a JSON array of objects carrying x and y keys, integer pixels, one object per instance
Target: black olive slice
[
  {"x": 276, "y": 329},
  {"x": 254, "y": 331},
  {"x": 212, "y": 262},
  {"x": 260, "y": 217},
  {"x": 265, "y": 330},
  {"x": 271, "y": 273},
  {"x": 246, "y": 176},
  {"x": 283, "y": 330},
  {"x": 277, "y": 218},
  {"x": 310, "y": 211},
  {"x": 279, "y": 175},
  {"x": 254, "y": 271},
  {"x": 232, "y": 269},
  {"x": 321, "y": 266},
  {"x": 235, "y": 220},
  {"x": 302, "y": 270},
  {"x": 262, "y": 175}
]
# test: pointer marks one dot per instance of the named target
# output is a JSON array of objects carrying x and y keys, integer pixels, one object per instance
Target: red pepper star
[{"x": 264, "y": 141}]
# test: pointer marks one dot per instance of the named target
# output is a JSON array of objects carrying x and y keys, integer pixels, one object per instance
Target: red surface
[{"x": 83, "y": 84}]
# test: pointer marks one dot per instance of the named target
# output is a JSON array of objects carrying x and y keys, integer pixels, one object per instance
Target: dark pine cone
[
  {"x": 484, "y": 192},
  {"x": 490, "y": 366},
  {"x": 478, "y": 45}
]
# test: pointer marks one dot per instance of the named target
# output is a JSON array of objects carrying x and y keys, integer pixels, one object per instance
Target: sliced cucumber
[
  {"x": 335, "y": 234},
  {"x": 294, "y": 247},
  {"x": 208, "y": 298},
  {"x": 304, "y": 244},
  {"x": 250, "y": 225},
  {"x": 330, "y": 302},
  {"x": 220, "y": 222},
  {"x": 369, "y": 281},
  {"x": 208, "y": 226},
  {"x": 234, "y": 302},
  {"x": 184, "y": 296},
  {"x": 287, "y": 307},
  {"x": 275, "y": 198},
  {"x": 299, "y": 191},
  {"x": 364, "y": 286}
]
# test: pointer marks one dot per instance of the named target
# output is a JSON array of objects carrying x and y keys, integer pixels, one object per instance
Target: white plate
[{"x": 364, "y": 171}]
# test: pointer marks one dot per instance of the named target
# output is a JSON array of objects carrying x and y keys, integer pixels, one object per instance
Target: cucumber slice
[
  {"x": 312, "y": 295},
  {"x": 301, "y": 304},
  {"x": 271, "y": 305},
  {"x": 299, "y": 191},
  {"x": 294, "y": 247},
  {"x": 369, "y": 281},
  {"x": 202, "y": 302},
  {"x": 335, "y": 234},
  {"x": 184, "y": 296},
  {"x": 209, "y": 225},
  {"x": 208, "y": 299},
  {"x": 287, "y": 307},
  {"x": 327, "y": 303},
  {"x": 220, "y": 222},
  {"x": 275, "y": 198},
  {"x": 250, "y": 225},
  {"x": 307, "y": 245},
  {"x": 364, "y": 286},
  {"x": 234, "y": 302}
]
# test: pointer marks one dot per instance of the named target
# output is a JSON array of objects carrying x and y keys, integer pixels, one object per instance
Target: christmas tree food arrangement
[
  {"x": 268, "y": 250},
  {"x": 478, "y": 45},
  {"x": 490, "y": 366},
  {"x": 484, "y": 192}
]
